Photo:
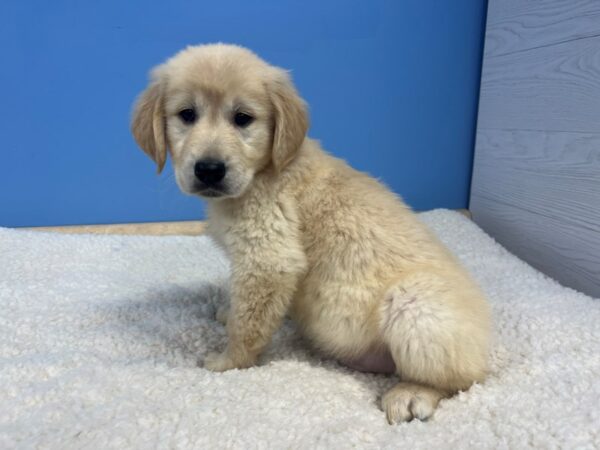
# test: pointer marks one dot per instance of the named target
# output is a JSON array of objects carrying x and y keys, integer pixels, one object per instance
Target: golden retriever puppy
[{"x": 309, "y": 236}]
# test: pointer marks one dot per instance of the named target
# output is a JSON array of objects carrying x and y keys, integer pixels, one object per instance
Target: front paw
[{"x": 219, "y": 362}]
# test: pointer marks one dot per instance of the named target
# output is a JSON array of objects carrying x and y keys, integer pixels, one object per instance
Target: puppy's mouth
[
  {"x": 213, "y": 191},
  {"x": 210, "y": 193}
]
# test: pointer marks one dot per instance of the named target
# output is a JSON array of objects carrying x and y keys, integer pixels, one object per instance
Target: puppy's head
[{"x": 223, "y": 114}]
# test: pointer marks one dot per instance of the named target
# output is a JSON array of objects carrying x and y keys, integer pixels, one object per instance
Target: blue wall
[{"x": 392, "y": 87}]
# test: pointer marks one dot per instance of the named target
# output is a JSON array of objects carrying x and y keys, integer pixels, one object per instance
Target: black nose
[{"x": 210, "y": 171}]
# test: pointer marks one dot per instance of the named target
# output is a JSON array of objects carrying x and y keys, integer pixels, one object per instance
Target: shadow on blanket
[{"x": 176, "y": 326}]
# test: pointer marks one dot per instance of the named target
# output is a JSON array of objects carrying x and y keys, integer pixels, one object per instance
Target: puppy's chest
[
  {"x": 222, "y": 229},
  {"x": 242, "y": 229},
  {"x": 219, "y": 225}
]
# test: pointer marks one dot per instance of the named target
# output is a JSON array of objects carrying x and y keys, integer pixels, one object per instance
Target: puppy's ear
[
  {"x": 291, "y": 119},
  {"x": 148, "y": 123}
]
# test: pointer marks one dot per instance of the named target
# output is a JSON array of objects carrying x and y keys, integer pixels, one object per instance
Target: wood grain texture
[
  {"x": 184, "y": 228},
  {"x": 536, "y": 174},
  {"x": 535, "y": 193},
  {"x": 553, "y": 88},
  {"x": 541, "y": 242},
  {"x": 518, "y": 25}
]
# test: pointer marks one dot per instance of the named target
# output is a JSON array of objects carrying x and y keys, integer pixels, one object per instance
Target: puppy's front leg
[
  {"x": 258, "y": 304},
  {"x": 264, "y": 279}
]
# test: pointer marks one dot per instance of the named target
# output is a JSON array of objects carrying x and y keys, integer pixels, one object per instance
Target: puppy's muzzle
[{"x": 210, "y": 172}]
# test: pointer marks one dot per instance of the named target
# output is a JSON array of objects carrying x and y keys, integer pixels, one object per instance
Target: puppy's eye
[
  {"x": 242, "y": 119},
  {"x": 187, "y": 115}
]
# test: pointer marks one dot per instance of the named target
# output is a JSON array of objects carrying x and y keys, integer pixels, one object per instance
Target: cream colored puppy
[{"x": 308, "y": 235}]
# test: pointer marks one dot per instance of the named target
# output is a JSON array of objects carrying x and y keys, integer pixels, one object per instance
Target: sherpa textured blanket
[{"x": 102, "y": 339}]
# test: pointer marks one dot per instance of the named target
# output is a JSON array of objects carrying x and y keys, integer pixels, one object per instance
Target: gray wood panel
[
  {"x": 532, "y": 191},
  {"x": 517, "y": 25},
  {"x": 549, "y": 88},
  {"x": 536, "y": 174},
  {"x": 499, "y": 218}
]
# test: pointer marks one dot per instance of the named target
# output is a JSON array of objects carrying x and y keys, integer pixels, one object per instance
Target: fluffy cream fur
[{"x": 311, "y": 237}]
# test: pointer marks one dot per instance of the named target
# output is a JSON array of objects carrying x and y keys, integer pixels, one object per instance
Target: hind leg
[
  {"x": 407, "y": 401},
  {"x": 436, "y": 328}
]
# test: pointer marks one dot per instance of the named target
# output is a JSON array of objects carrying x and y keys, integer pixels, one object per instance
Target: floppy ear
[
  {"x": 148, "y": 123},
  {"x": 291, "y": 119}
]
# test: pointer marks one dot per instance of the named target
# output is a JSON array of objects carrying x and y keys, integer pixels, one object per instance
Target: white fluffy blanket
[{"x": 101, "y": 339}]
